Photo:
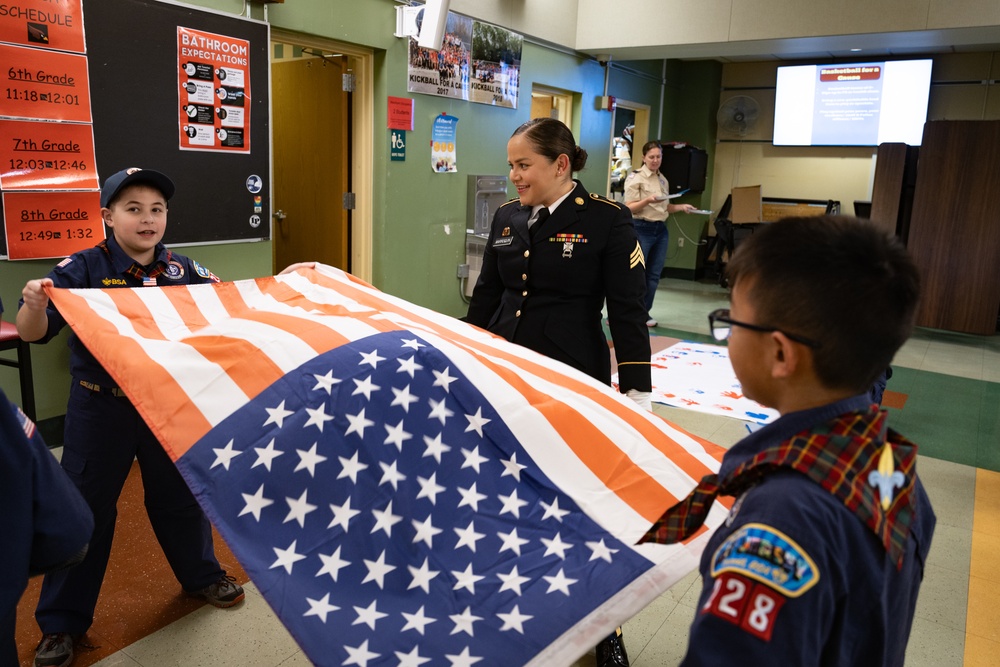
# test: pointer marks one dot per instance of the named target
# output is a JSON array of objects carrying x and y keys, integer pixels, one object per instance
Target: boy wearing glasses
[{"x": 823, "y": 551}]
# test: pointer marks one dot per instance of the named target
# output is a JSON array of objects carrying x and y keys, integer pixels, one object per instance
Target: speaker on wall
[{"x": 433, "y": 24}]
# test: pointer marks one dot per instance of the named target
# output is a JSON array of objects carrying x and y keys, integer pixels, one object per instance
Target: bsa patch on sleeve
[
  {"x": 767, "y": 555},
  {"x": 204, "y": 273}
]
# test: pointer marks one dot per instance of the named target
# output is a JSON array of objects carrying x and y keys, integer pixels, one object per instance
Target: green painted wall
[{"x": 419, "y": 216}]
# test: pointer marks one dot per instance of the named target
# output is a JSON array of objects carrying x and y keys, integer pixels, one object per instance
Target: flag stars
[
  {"x": 600, "y": 550},
  {"x": 309, "y": 459},
  {"x": 426, "y": 531},
  {"x": 418, "y": 621},
  {"x": 560, "y": 582},
  {"x": 470, "y": 497},
  {"x": 359, "y": 655},
  {"x": 463, "y": 659},
  {"x": 332, "y": 564},
  {"x": 511, "y": 541},
  {"x": 553, "y": 511},
  {"x": 358, "y": 423},
  {"x": 467, "y": 537},
  {"x": 512, "y": 581},
  {"x": 377, "y": 569},
  {"x": 403, "y": 397},
  {"x": 255, "y": 503},
  {"x": 463, "y": 622},
  {"x": 324, "y": 382},
  {"x": 412, "y": 343},
  {"x": 421, "y": 577},
  {"x": 351, "y": 467},
  {"x": 409, "y": 366},
  {"x": 298, "y": 509},
  {"x": 277, "y": 415},
  {"x": 429, "y": 488},
  {"x": 318, "y": 417},
  {"x": 556, "y": 546},
  {"x": 390, "y": 475},
  {"x": 473, "y": 459},
  {"x": 477, "y": 422},
  {"x": 287, "y": 558},
  {"x": 512, "y": 504},
  {"x": 411, "y": 659},
  {"x": 368, "y": 615},
  {"x": 225, "y": 455},
  {"x": 439, "y": 411},
  {"x": 466, "y": 579},
  {"x": 265, "y": 455},
  {"x": 444, "y": 379},
  {"x": 512, "y": 467},
  {"x": 385, "y": 520},
  {"x": 371, "y": 359},
  {"x": 514, "y": 620},
  {"x": 320, "y": 607},
  {"x": 395, "y": 435},
  {"x": 342, "y": 514},
  {"x": 365, "y": 387},
  {"x": 435, "y": 448}
]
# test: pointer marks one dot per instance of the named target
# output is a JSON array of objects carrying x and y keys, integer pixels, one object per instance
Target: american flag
[{"x": 403, "y": 488}]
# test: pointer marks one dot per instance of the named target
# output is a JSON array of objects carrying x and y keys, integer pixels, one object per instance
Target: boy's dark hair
[
  {"x": 836, "y": 280},
  {"x": 551, "y": 138}
]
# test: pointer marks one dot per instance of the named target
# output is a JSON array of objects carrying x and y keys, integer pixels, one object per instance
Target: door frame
[{"x": 361, "y": 63}]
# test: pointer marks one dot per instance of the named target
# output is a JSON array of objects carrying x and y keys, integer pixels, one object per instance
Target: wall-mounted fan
[{"x": 738, "y": 115}]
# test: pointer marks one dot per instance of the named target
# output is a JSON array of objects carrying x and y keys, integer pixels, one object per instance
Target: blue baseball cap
[{"x": 132, "y": 175}]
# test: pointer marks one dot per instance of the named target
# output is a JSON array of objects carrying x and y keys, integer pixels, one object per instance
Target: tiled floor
[{"x": 952, "y": 410}]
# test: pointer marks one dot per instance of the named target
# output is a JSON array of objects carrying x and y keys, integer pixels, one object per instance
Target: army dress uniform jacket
[{"x": 546, "y": 291}]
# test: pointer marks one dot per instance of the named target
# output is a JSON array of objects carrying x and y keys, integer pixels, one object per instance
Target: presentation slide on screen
[{"x": 857, "y": 104}]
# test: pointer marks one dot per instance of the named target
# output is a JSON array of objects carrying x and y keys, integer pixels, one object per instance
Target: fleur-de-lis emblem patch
[{"x": 886, "y": 478}]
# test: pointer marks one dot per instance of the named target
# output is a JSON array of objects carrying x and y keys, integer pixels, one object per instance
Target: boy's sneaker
[
  {"x": 223, "y": 593},
  {"x": 55, "y": 650}
]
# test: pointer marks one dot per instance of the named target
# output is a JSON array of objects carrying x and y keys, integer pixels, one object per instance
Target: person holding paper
[{"x": 647, "y": 195}]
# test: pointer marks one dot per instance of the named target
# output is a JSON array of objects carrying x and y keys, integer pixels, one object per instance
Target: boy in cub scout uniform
[
  {"x": 823, "y": 551},
  {"x": 104, "y": 432}
]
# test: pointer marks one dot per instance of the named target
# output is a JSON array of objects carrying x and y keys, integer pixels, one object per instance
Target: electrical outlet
[
  {"x": 463, "y": 270},
  {"x": 680, "y": 242}
]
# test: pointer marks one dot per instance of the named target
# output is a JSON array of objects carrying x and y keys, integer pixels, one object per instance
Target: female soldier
[
  {"x": 554, "y": 256},
  {"x": 646, "y": 193}
]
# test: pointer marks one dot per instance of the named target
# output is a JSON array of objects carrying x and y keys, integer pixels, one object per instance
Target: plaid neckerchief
[
  {"x": 138, "y": 270},
  {"x": 869, "y": 468}
]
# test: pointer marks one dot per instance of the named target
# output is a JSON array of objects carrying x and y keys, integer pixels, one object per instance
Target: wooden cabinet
[{"x": 954, "y": 234}]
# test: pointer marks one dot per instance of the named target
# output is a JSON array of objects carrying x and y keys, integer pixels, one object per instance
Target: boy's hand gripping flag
[{"x": 403, "y": 488}]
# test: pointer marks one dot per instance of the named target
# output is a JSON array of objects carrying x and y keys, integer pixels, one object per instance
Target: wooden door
[{"x": 310, "y": 152}]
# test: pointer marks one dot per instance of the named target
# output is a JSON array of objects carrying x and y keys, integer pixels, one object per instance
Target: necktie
[{"x": 543, "y": 214}]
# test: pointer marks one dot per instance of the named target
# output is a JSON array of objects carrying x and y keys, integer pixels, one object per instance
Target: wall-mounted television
[{"x": 852, "y": 104}]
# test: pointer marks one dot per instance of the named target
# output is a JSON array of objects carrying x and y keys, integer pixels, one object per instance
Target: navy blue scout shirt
[
  {"x": 45, "y": 523},
  {"x": 840, "y": 602},
  {"x": 107, "y": 265}
]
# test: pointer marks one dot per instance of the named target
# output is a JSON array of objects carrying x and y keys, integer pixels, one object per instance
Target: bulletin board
[{"x": 141, "y": 68}]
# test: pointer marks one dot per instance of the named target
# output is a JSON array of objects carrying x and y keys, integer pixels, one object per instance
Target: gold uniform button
[
  {"x": 524, "y": 276},
  {"x": 517, "y": 314},
  {"x": 527, "y": 252},
  {"x": 524, "y": 293}
]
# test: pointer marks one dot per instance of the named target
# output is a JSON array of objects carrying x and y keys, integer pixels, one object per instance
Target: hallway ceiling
[{"x": 875, "y": 45}]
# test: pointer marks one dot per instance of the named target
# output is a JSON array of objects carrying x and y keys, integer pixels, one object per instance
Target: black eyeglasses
[{"x": 721, "y": 326}]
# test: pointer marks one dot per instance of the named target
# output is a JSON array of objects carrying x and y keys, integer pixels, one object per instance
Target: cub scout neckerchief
[{"x": 869, "y": 468}]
